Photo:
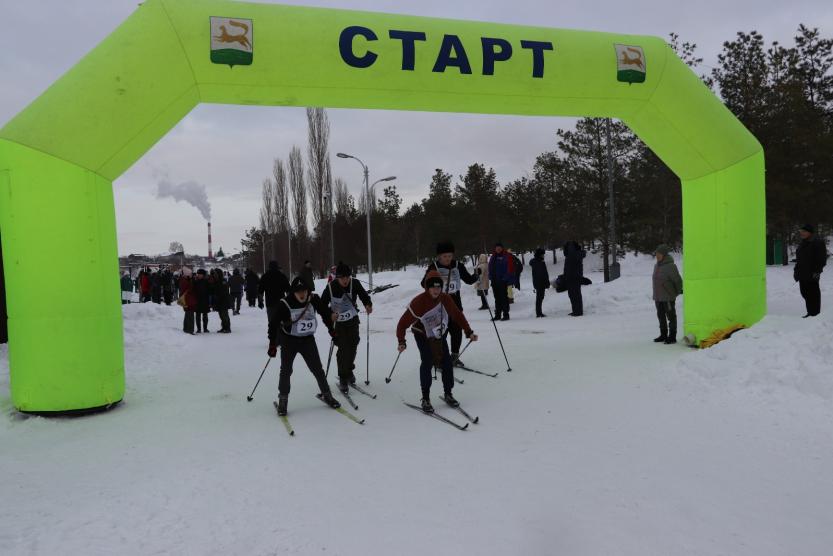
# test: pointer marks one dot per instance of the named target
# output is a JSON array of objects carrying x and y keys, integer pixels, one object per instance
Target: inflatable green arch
[{"x": 59, "y": 157}]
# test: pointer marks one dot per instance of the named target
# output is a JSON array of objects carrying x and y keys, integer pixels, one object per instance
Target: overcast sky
[{"x": 43, "y": 39}]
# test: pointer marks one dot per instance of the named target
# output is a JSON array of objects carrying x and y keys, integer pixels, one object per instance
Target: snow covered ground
[{"x": 598, "y": 442}]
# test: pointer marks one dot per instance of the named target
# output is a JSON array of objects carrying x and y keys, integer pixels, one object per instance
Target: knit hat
[
  {"x": 342, "y": 270},
  {"x": 298, "y": 285},
  {"x": 433, "y": 280},
  {"x": 662, "y": 250},
  {"x": 445, "y": 247},
  {"x": 808, "y": 228},
  {"x": 540, "y": 252}
]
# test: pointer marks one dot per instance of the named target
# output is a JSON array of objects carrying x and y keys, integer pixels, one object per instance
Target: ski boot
[
  {"x": 449, "y": 399},
  {"x": 670, "y": 340},
  {"x": 496, "y": 317},
  {"x": 282, "y": 403},
  {"x": 457, "y": 361},
  {"x": 328, "y": 399},
  {"x": 661, "y": 338},
  {"x": 426, "y": 406},
  {"x": 505, "y": 316},
  {"x": 343, "y": 386}
]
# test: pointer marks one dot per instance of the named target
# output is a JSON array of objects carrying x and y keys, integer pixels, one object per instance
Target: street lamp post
[{"x": 367, "y": 189}]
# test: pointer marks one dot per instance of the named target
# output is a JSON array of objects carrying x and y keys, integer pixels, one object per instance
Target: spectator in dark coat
[
  {"x": 502, "y": 275},
  {"x": 236, "y": 283},
  {"x": 667, "y": 285},
  {"x": 222, "y": 300},
  {"x": 540, "y": 280},
  {"x": 156, "y": 287},
  {"x": 166, "y": 277},
  {"x": 186, "y": 288},
  {"x": 202, "y": 289},
  {"x": 126, "y": 287},
  {"x": 810, "y": 259},
  {"x": 275, "y": 285},
  {"x": 308, "y": 276},
  {"x": 573, "y": 275},
  {"x": 252, "y": 283}
]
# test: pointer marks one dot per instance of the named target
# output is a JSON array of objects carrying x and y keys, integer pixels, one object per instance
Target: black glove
[
  {"x": 817, "y": 276},
  {"x": 273, "y": 350}
]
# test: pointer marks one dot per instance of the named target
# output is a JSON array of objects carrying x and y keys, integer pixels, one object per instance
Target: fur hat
[
  {"x": 433, "y": 280},
  {"x": 445, "y": 247},
  {"x": 808, "y": 228}
]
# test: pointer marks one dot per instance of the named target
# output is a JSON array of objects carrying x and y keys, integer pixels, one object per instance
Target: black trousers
[
  {"x": 347, "y": 342},
  {"x": 667, "y": 317},
  {"x": 811, "y": 292},
  {"x": 427, "y": 362},
  {"x": 202, "y": 318},
  {"x": 225, "y": 322},
  {"x": 539, "y": 300},
  {"x": 292, "y": 346},
  {"x": 188, "y": 322},
  {"x": 251, "y": 297},
  {"x": 576, "y": 301},
  {"x": 238, "y": 298},
  {"x": 501, "y": 297}
]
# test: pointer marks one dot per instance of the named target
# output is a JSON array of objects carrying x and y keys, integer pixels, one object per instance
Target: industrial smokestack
[{"x": 210, "y": 253}]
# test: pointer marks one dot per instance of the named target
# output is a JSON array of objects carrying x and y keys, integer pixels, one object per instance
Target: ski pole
[
  {"x": 508, "y": 366},
  {"x": 462, "y": 352},
  {"x": 329, "y": 358},
  {"x": 367, "y": 371},
  {"x": 387, "y": 380},
  {"x": 250, "y": 397}
]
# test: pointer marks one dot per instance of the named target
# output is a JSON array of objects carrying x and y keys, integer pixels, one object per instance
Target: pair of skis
[
  {"x": 288, "y": 426},
  {"x": 446, "y": 420}
]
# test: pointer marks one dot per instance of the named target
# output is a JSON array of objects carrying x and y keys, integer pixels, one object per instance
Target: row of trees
[{"x": 784, "y": 95}]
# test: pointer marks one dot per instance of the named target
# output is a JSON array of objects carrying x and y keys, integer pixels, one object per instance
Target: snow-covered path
[{"x": 598, "y": 442}]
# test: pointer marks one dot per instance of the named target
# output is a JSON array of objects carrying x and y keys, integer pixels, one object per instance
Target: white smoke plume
[{"x": 191, "y": 192}]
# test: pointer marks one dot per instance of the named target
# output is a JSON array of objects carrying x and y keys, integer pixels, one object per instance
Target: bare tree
[
  {"x": 280, "y": 202},
  {"x": 318, "y": 173},
  {"x": 363, "y": 201},
  {"x": 342, "y": 199},
  {"x": 298, "y": 188},
  {"x": 267, "y": 212}
]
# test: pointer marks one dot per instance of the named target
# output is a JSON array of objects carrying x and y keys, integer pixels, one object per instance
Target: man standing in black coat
[
  {"x": 573, "y": 275},
  {"x": 275, "y": 285},
  {"x": 540, "y": 280},
  {"x": 810, "y": 258},
  {"x": 202, "y": 291},
  {"x": 222, "y": 300},
  {"x": 252, "y": 283}
]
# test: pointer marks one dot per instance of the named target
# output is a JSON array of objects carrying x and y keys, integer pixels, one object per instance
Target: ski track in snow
[{"x": 598, "y": 442}]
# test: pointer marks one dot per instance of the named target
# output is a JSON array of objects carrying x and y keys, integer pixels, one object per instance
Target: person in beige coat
[{"x": 482, "y": 284}]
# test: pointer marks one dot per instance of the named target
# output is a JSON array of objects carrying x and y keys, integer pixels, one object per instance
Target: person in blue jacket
[{"x": 502, "y": 275}]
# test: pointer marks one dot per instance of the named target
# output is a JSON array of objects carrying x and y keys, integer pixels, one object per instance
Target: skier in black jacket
[
  {"x": 540, "y": 279},
  {"x": 275, "y": 285},
  {"x": 295, "y": 323},
  {"x": 453, "y": 273},
  {"x": 810, "y": 259},
  {"x": 340, "y": 296}
]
